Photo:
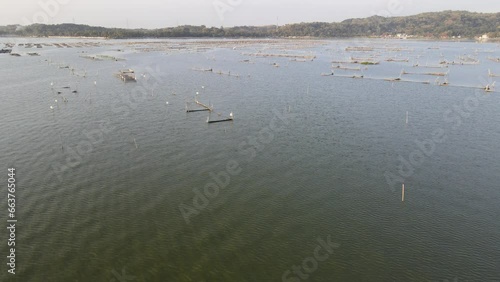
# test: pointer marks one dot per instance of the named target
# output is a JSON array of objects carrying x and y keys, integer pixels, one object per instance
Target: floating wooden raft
[
  {"x": 231, "y": 118},
  {"x": 426, "y": 73},
  {"x": 203, "y": 105},
  {"x": 127, "y": 75},
  {"x": 297, "y": 56},
  {"x": 205, "y": 108},
  {"x": 199, "y": 110}
]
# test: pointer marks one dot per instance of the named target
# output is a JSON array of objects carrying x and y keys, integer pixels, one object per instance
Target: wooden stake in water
[
  {"x": 406, "y": 117},
  {"x": 137, "y": 147},
  {"x": 403, "y": 193}
]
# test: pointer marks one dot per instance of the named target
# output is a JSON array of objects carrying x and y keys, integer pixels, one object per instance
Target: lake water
[{"x": 107, "y": 178}]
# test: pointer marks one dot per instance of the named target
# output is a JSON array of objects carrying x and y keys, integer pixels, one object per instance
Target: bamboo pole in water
[{"x": 403, "y": 193}]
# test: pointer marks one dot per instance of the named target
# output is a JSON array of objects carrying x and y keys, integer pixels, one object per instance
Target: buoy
[
  {"x": 167, "y": 103},
  {"x": 52, "y": 108}
]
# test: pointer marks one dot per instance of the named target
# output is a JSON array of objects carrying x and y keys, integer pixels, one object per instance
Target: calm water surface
[{"x": 101, "y": 177}]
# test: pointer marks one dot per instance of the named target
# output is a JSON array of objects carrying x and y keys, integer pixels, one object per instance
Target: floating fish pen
[
  {"x": 5, "y": 51},
  {"x": 206, "y": 107},
  {"x": 398, "y": 49},
  {"x": 444, "y": 83},
  {"x": 341, "y": 62},
  {"x": 247, "y": 61},
  {"x": 102, "y": 58},
  {"x": 202, "y": 69},
  {"x": 216, "y": 72},
  {"x": 397, "y": 60},
  {"x": 398, "y": 79},
  {"x": 426, "y": 73},
  {"x": 346, "y": 68},
  {"x": 350, "y": 76},
  {"x": 366, "y": 63},
  {"x": 230, "y": 118},
  {"x": 296, "y": 56},
  {"x": 496, "y": 60},
  {"x": 300, "y": 60},
  {"x": 490, "y": 74},
  {"x": 197, "y": 110},
  {"x": 94, "y": 58},
  {"x": 490, "y": 88},
  {"x": 430, "y": 66},
  {"x": 359, "y": 49},
  {"x": 110, "y": 58},
  {"x": 15, "y": 54},
  {"x": 460, "y": 63},
  {"x": 127, "y": 75},
  {"x": 33, "y": 54}
]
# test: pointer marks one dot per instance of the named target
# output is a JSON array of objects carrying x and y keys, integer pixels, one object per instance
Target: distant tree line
[{"x": 439, "y": 24}]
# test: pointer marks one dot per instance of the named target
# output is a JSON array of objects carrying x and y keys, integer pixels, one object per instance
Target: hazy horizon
[{"x": 157, "y": 14}]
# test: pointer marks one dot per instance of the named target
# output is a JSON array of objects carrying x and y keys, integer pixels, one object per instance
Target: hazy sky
[{"x": 163, "y": 13}]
